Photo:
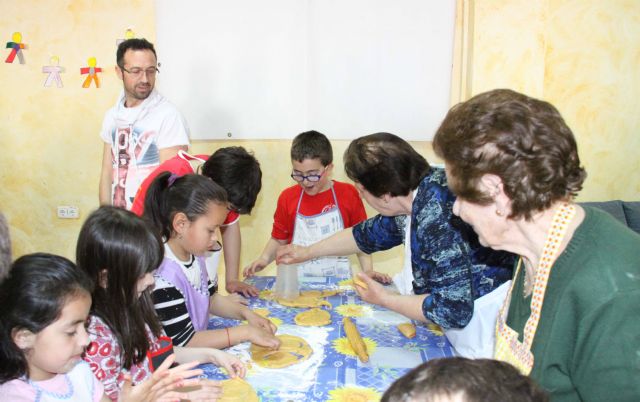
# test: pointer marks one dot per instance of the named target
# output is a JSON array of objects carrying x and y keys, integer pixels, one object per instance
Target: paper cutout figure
[
  {"x": 127, "y": 35},
  {"x": 93, "y": 71},
  {"x": 54, "y": 71},
  {"x": 16, "y": 47}
]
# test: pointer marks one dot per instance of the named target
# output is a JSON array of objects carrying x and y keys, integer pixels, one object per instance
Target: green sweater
[{"x": 587, "y": 346}]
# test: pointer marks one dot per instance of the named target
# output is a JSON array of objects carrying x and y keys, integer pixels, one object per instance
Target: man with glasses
[
  {"x": 314, "y": 209},
  {"x": 141, "y": 131}
]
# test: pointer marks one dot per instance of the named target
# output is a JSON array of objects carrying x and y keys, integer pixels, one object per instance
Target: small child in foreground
[
  {"x": 120, "y": 251},
  {"x": 45, "y": 304}
]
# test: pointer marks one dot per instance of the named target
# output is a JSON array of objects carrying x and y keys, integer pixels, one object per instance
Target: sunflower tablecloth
[{"x": 333, "y": 372}]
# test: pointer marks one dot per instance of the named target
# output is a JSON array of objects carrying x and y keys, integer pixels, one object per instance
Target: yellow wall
[{"x": 581, "y": 55}]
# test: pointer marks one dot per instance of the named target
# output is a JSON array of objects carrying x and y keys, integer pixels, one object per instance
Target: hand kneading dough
[
  {"x": 313, "y": 318},
  {"x": 293, "y": 349},
  {"x": 237, "y": 390}
]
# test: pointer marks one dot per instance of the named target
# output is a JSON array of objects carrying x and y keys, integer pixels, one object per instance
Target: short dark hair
[
  {"x": 312, "y": 145},
  {"x": 476, "y": 380},
  {"x": 32, "y": 297},
  {"x": 238, "y": 172},
  {"x": 384, "y": 163},
  {"x": 133, "y": 44},
  {"x": 190, "y": 194},
  {"x": 5, "y": 247},
  {"x": 126, "y": 247},
  {"x": 524, "y": 141}
]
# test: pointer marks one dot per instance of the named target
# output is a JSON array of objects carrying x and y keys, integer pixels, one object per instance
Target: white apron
[
  {"x": 477, "y": 339},
  {"x": 403, "y": 280},
  {"x": 308, "y": 230}
]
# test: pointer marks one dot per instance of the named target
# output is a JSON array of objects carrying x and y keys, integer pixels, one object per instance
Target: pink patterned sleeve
[{"x": 103, "y": 356}]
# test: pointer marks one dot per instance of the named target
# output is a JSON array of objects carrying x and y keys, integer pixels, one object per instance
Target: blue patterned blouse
[{"x": 448, "y": 262}]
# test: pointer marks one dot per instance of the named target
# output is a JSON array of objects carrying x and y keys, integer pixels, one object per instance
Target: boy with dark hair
[
  {"x": 238, "y": 172},
  {"x": 459, "y": 379},
  {"x": 313, "y": 209}
]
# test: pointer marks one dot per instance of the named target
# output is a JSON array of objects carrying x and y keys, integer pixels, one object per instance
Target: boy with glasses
[
  {"x": 141, "y": 131},
  {"x": 313, "y": 209}
]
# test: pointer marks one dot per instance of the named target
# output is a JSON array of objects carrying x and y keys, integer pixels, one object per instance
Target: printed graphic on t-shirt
[
  {"x": 135, "y": 155},
  {"x": 328, "y": 207}
]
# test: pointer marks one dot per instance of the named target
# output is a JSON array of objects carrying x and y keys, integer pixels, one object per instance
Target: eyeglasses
[
  {"x": 311, "y": 178},
  {"x": 137, "y": 72},
  {"x": 217, "y": 246}
]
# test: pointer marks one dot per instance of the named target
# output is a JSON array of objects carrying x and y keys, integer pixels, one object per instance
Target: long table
[{"x": 333, "y": 373}]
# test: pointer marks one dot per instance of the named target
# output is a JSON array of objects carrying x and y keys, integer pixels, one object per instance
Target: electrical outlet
[{"x": 68, "y": 212}]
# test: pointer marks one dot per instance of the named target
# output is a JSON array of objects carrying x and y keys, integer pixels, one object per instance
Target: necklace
[{"x": 56, "y": 395}]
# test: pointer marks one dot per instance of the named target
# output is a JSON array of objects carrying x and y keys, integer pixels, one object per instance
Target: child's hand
[
  {"x": 162, "y": 384},
  {"x": 229, "y": 362},
  {"x": 262, "y": 337},
  {"x": 236, "y": 298},
  {"x": 379, "y": 276},
  {"x": 207, "y": 391},
  {"x": 240, "y": 287},
  {"x": 291, "y": 254},
  {"x": 256, "y": 266},
  {"x": 258, "y": 321}
]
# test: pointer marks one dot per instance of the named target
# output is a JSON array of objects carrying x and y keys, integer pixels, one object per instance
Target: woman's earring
[{"x": 499, "y": 212}]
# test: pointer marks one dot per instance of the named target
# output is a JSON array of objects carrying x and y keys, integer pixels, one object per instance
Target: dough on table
[
  {"x": 315, "y": 317},
  {"x": 407, "y": 329},
  {"x": 319, "y": 293},
  {"x": 262, "y": 312},
  {"x": 304, "y": 301},
  {"x": 307, "y": 298},
  {"x": 293, "y": 349},
  {"x": 237, "y": 390}
]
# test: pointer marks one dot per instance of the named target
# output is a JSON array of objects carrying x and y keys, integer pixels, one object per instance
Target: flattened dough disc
[
  {"x": 313, "y": 318},
  {"x": 293, "y": 349}
]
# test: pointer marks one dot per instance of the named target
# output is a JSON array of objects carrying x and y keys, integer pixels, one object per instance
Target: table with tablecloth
[{"x": 333, "y": 373}]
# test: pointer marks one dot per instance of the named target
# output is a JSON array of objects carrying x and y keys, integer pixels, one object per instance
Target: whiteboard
[{"x": 256, "y": 69}]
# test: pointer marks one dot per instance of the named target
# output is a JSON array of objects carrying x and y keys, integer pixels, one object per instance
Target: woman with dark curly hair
[{"x": 571, "y": 317}]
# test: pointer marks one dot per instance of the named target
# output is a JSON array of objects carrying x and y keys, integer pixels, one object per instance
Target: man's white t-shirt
[{"x": 136, "y": 136}]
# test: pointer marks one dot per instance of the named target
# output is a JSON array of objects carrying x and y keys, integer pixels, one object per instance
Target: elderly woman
[
  {"x": 447, "y": 274},
  {"x": 572, "y": 317}
]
